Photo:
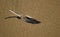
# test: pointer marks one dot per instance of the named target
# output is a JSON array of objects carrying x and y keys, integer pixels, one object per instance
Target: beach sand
[{"x": 46, "y": 11}]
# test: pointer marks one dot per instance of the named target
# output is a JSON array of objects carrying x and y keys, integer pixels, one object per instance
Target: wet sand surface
[{"x": 46, "y": 11}]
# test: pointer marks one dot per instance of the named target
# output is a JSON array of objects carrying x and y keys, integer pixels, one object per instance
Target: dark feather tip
[{"x": 31, "y": 20}]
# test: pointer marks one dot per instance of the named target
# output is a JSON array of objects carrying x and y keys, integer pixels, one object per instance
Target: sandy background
[{"x": 47, "y": 11}]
